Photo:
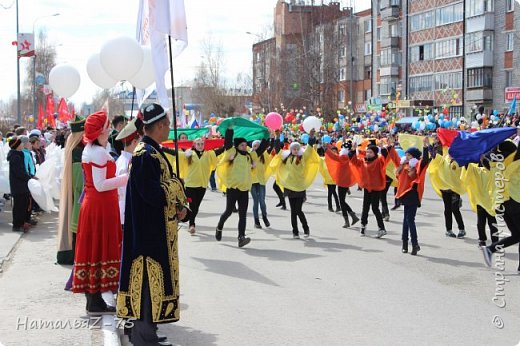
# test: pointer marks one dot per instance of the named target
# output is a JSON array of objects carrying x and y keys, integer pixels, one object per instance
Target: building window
[
  {"x": 378, "y": 34},
  {"x": 480, "y": 77},
  {"x": 342, "y": 74},
  {"x": 386, "y": 86},
  {"x": 510, "y": 5},
  {"x": 342, "y": 52},
  {"x": 479, "y": 41},
  {"x": 389, "y": 56},
  {"x": 368, "y": 26},
  {"x": 368, "y": 94},
  {"x": 448, "y": 48},
  {"x": 450, "y": 80},
  {"x": 396, "y": 3},
  {"x": 421, "y": 83},
  {"x": 478, "y": 7},
  {"x": 510, "y": 40},
  {"x": 341, "y": 95},
  {"x": 368, "y": 72},
  {"x": 368, "y": 48},
  {"x": 422, "y": 21},
  {"x": 421, "y": 53},
  {"x": 449, "y": 14},
  {"x": 341, "y": 29},
  {"x": 394, "y": 30},
  {"x": 509, "y": 78}
]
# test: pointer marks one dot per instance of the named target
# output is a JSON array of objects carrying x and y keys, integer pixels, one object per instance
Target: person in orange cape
[
  {"x": 342, "y": 172},
  {"x": 372, "y": 178},
  {"x": 410, "y": 174}
]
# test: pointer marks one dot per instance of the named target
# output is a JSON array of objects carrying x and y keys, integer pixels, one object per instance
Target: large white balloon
[
  {"x": 64, "y": 80},
  {"x": 311, "y": 122},
  {"x": 145, "y": 76},
  {"x": 121, "y": 57},
  {"x": 97, "y": 74}
]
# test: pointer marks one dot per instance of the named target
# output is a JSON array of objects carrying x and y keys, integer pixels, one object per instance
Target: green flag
[
  {"x": 191, "y": 133},
  {"x": 244, "y": 128}
]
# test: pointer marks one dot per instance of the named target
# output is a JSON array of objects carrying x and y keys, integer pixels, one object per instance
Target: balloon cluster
[{"x": 121, "y": 58}]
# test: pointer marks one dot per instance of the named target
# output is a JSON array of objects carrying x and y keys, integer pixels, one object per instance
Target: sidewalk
[{"x": 35, "y": 308}]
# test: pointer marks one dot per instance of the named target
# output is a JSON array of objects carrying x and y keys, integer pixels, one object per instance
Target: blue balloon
[
  {"x": 495, "y": 112},
  {"x": 304, "y": 138},
  {"x": 400, "y": 152},
  {"x": 282, "y": 137},
  {"x": 326, "y": 139}
]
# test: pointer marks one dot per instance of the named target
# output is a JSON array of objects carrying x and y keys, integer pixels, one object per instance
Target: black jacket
[{"x": 18, "y": 176}]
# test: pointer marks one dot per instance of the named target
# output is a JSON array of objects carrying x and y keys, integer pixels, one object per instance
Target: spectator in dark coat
[{"x": 18, "y": 179}]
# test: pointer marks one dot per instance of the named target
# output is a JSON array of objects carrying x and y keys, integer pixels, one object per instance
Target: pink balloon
[{"x": 273, "y": 121}]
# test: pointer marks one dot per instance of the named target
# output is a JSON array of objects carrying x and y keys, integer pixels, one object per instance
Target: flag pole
[
  {"x": 133, "y": 100},
  {"x": 174, "y": 109}
]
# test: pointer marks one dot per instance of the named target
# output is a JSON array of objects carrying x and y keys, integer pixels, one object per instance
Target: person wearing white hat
[{"x": 130, "y": 136}]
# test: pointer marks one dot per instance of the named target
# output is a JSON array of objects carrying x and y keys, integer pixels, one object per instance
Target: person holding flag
[{"x": 411, "y": 174}]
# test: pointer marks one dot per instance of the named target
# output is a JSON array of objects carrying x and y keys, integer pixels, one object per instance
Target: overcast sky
[{"x": 83, "y": 26}]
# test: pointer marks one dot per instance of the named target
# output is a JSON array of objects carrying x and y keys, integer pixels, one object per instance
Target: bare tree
[{"x": 44, "y": 61}]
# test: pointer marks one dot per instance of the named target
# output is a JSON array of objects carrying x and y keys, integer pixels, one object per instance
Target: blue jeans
[
  {"x": 212, "y": 182},
  {"x": 409, "y": 224},
  {"x": 258, "y": 193}
]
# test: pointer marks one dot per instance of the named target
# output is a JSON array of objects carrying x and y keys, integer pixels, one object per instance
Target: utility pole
[
  {"x": 18, "y": 101},
  {"x": 351, "y": 54}
]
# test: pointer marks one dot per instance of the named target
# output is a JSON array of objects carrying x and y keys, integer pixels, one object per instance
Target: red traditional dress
[{"x": 98, "y": 244}]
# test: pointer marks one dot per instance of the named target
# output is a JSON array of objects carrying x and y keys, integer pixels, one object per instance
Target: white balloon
[
  {"x": 145, "y": 76},
  {"x": 121, "y": 57},
  {"x": 97, "y": 74},
  {"x": 310, "y": 123},
  {"x": 376, "y": 128},
  {"x": 64, "y": 80},
  {"x": 422, "y": 125}
]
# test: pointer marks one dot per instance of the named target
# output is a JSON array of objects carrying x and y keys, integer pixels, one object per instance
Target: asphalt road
[{"x": 334, "y": 288}]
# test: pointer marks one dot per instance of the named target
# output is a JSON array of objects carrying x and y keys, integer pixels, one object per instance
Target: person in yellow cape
[
  {"x": 330, "y": 183},
  {"x": 507, "y": 181},
  {"x": 196, "y": 165},
  {"x": 445, "y": 179},
  {"x": 261, "y": 173},
  {"x": 235, "y": 173},
  {"x": 296, "y": 170}
]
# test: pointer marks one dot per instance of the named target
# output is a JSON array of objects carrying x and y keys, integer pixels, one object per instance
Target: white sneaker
[
  {"x": 380, "y": 233},
  {"x": 296, "y": 236}
]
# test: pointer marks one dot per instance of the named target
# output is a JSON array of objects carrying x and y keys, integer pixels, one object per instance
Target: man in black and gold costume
[{"x": 155, "y": 202}]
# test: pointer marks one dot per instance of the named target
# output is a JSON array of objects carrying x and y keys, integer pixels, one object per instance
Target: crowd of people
[{"x": 123, "y": 195}]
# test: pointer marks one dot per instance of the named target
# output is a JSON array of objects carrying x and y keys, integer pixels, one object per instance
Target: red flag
[
  {"x": 40, "y": 117},
  {"x": 50, "y": 111},
  {"x": 63, "y": 111},
  {"x": 446, "y": 136}
]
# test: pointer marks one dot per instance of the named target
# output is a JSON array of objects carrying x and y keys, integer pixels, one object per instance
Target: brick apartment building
[{"x": 435, "y": 52}]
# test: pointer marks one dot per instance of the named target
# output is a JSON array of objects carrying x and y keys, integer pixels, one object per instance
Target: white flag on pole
[{"x": 156, "y": 20}]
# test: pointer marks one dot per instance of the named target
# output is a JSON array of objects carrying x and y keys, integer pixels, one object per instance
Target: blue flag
[
  {"x": 513, "y": 106},
  {"x": 469, "y": 147}
]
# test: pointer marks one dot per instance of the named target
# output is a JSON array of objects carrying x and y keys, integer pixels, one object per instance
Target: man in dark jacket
[{"x": 18, "y": 179}]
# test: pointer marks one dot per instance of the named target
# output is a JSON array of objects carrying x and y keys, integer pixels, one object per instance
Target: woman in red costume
[{"x": 98, "y": 252}]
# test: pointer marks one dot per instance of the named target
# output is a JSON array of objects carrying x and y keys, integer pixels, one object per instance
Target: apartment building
[{"x": 456, "y": 53}]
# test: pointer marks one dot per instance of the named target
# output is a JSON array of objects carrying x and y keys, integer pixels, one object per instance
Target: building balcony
[
  {"x": 389, "y": 71},
  {"x": 390, "y": 13},
  {"x": 481, "y": 23},
  {"x": 480, "y": 59},
  {"x": 390, "y": 42},
  {"x": 479, "y": 94}
]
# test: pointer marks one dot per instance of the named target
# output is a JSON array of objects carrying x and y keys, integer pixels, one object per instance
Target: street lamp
[{"x": 34, "y": 60}]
